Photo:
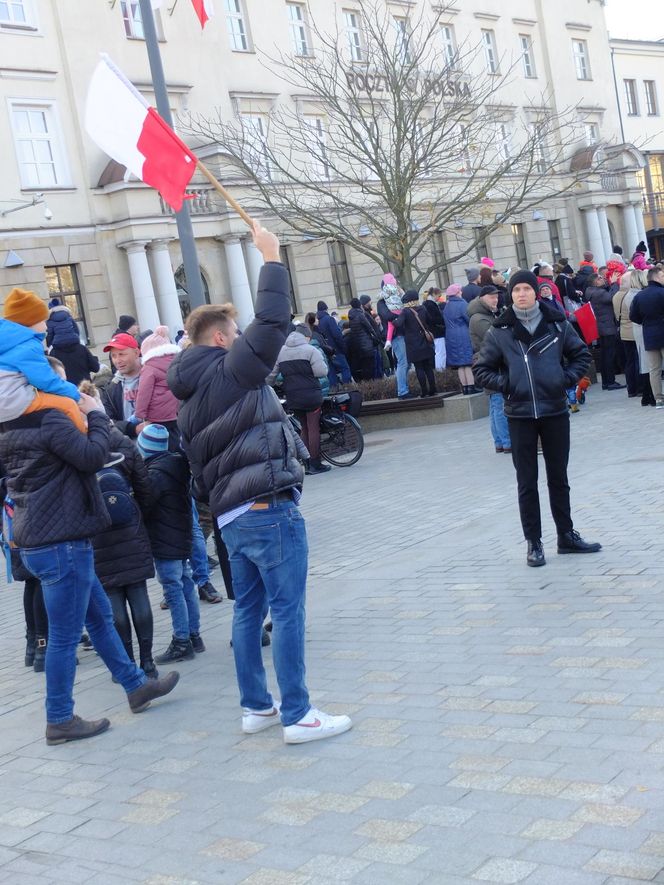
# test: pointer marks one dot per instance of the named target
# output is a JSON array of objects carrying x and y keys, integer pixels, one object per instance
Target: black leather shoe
[
  {"x": 572, "y": 542},
  {"x": 614, "y": 386},
  {"x": 178, "y": 650},
  {"x": 535, "y": 556},
  {"x": 197, "y": 643}
]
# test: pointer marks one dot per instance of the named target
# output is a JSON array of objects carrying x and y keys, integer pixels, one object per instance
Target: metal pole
[{"x": 192, "y": 270}]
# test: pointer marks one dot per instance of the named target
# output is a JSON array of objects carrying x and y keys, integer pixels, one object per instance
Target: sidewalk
[{"x": 509, "y": 722}]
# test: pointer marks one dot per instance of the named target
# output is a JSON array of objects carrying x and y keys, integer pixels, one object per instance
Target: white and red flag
[
  {"x": 120, "y": 121},
  {"x": 203, "y": 8}
]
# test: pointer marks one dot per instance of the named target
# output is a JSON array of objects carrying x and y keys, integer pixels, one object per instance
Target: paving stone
[
  {"x": 552, "y": 829},
  {"x": 631, "y": 866},
  {"x": 610, "y": 815},
  {"x": 504, "y": 870}
]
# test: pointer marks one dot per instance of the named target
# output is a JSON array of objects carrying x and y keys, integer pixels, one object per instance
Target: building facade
[
  {"x": 71, "y": 225},
  {"x": 639, "y": 81}
]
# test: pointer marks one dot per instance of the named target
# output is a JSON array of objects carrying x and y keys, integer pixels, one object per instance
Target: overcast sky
[{"x": 636, "y": 19}]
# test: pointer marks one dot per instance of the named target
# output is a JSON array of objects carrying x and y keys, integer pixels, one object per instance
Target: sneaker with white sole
[
  {"x": 254, "y": 721},
  {"x": 316, "y": 726}
]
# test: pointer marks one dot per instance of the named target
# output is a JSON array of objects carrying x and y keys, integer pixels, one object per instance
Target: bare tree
[{"x": 387, "y": 140}]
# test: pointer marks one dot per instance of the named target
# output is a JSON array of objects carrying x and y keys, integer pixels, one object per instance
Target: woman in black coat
[
  {"x": 362, "y": 340},
  {"x": 412, "y": 321}
]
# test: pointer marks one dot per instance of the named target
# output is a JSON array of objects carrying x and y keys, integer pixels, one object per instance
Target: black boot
[
  {"x": 178, "y": 650},
  {"x": 317, "y": 466},
  {"x": 39, "y": 662},
  {"x": 197, "y": 643},
  {"x": 149, "y": 668},
  {"x": 30, "y": 645},
  {"x": 572, "y": 542},
  {"x": 265, "y": 637},
  {"x": 535, "y": 556}
]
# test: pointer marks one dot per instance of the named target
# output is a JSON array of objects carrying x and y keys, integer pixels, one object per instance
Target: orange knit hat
[{"x": 24, "y": 308}]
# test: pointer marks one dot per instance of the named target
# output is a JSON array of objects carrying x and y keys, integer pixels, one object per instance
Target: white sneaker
[
  {"x": 315, "y": 726},
  {"x": 254, "y": 721}
]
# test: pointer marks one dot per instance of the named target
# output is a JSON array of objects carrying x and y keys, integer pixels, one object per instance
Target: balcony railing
[
  {"x": 612, "y": 181},
  {"x": 199, "y": 200},
  {"x": 654, "y": 203}
]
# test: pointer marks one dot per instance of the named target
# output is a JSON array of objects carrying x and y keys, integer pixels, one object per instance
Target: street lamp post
[{"x": 185, "y": 229}]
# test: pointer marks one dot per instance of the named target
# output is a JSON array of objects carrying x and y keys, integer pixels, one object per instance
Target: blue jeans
[
  {"x": 499, "y": 429},
  {"x": 181, "y": 595},
  {"x": 268, "y": 552},
  {"x": 198, "y": 559},
  {"x": 338, "y": 365},
  {"x": 73, "y": 597},
  {"x": 399, "y": 351}
]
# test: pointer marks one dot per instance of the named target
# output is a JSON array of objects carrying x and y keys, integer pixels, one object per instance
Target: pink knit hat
[
  {"x": 454, "y": 289},
  {"x": 487, "y": 262},
  {"x": 389, "y": 279},
  {"x": 159, "y": 338},
  {"x": 639, "y": 262}
]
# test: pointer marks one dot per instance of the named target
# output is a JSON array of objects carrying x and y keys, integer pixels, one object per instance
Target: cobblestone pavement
[{"x": 508, "y": 721}]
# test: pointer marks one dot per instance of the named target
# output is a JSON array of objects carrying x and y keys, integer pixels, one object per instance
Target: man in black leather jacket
[
  {"x": 243, "y": 458},
  {"x": 532, "y": 355}
]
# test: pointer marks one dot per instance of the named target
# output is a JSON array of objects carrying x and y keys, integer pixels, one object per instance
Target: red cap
[{"x": 121, "y": 341}]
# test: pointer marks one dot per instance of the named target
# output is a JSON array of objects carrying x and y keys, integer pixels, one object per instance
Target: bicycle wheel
[{"x": 342, "y": 445}]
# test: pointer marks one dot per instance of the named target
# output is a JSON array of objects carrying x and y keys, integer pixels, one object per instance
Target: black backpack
[{"x": 118, "y": 496}]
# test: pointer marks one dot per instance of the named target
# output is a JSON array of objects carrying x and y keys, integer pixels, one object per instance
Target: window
[
  {"x": 16, "y": 14},
  {"x": 651, "y": 98},
  {"x": 354, "y": 34},
  {"x": 237, "y": 29},
  {"x": 133, "y": 21},
  {"x": 490, "y": 51},
  {"x": 449, "y": 45},
  {"x": 481, "y": 243},
  {"x": 299, "y": 30},
  {"x": 537, "y": 134},
  {"x": 441, "y": 259},
  {"x": 339, "y": 266},
  {"x": 581, "y": 62},
  {"x": 254, "y": 128},
  {"x": 38, "y": 146},
  {"x": 519, "y": 238},
  {"x": 527, "y": 55},
  {"x": 284, "y": 254},
  {"x": 632, "y": 98},
  {"x": 554, "y": 239},
  {"x": 591, "y": 133},
  {"x": 62, "y": 282},
  {"x": 504, "y": 142},
  {"x": 318, "y": 147},
  {"x": 403, "y": 39}
]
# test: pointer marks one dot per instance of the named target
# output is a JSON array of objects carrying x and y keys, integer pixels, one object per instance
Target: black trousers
[
  {"x": 607, "y": 358},
  {"x": 36, "y": 620},
  {"x": 224, "y": 560},
  {"x": 136, "y": 596},
  {"x": 632, "y": 367},
  {"x": 554, "y": 433},
  {"x": 425, "y": 376}
]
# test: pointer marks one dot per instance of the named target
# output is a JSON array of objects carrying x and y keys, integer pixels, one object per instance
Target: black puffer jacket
[
  {"x": 532, "y": 371},
  {"x": 239, "y": 442},
  {"x": 364, "y": 335},
  {"x": 50, "y": 467},
  {"x": 169, "y": 519},
  {"x": 77, "y": 360},
  {"x": 434, "y": 316},
  {"x": 122, "y": 553}
]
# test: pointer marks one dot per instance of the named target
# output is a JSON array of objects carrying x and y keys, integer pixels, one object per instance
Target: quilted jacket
[
  {"x": 123, "y": 554},
  {"x": 50, "y": 468},
  {"x": 169, "y": 521},
  {"x": 155, "y": 402}
]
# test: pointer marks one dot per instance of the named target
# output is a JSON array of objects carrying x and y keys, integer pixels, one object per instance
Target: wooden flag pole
[{"x": 233, "y": 203}]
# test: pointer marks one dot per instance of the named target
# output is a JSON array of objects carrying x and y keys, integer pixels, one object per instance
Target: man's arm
[
  {"x": 253, "y": 355},
  {"x": 577, "y": 356},
  {"x": 635, "y": 313},
  {"x": 86, "y": 452},
  {"x": 489, "y": 364}
]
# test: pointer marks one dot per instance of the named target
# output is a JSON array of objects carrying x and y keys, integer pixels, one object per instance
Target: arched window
[{"x": 183, "y": 293}]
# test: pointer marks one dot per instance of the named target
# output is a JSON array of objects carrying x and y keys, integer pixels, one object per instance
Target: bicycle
[{"x": 341, "y": 437}]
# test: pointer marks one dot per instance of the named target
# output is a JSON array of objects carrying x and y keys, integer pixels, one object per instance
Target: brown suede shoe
[
  {"x": 76, "y": 729},
  {"x": 139, "y": 699}
]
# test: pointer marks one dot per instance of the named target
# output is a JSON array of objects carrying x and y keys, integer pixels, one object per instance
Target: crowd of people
[{"x": 116, "y": 474}]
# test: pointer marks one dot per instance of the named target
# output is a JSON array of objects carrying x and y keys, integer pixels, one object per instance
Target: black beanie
[
  {"x": 488, "y": 290},
  {"x": 355, "y": 302},
  {"x": 524, "y": 276},
  {"x": 126, "y": 322},
  {"x": 409, "y": 296},
  {"x": 567, "y": 269},
  {"x": 364, "y": 300},
  {"x": 321, "y": 306},
  {"x": 641, "y": 248}
]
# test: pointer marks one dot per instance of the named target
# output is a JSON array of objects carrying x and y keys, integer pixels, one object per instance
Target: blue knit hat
[{"x": 153, "y": 440}]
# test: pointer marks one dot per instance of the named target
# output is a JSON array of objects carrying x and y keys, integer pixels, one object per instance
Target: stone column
[
  {"x": 169, "y": 304},
  {"x": 606, "y": 233},
  {"x": 141, "y": 282},
  {"x": 239, "y": 279},
  {"x": 640, "y": 225},
  {"x": 254, "y": 265},
  {"x": 594, "y": 231},
  {"x": 631, "y": 230}
]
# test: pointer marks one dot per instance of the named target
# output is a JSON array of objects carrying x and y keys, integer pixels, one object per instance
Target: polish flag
[
  {"x": 204, "y": 9},
  {"x": 119, "y": 121}
]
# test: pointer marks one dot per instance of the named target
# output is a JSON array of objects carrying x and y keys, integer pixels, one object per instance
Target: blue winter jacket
[
  {"x": 61, "y": 328},
  {"x": 22, "y": 350},
  {"x": 329, "y": 329}
]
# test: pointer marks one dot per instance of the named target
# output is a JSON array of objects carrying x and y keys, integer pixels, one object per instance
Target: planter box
[{"x": 393, "y": 414}]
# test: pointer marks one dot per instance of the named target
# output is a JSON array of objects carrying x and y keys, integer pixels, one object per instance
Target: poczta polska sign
[{"x": 443, "y": 86}]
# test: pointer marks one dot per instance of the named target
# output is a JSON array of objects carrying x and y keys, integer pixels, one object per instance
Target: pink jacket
[{"x": 155, "y": 402}]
